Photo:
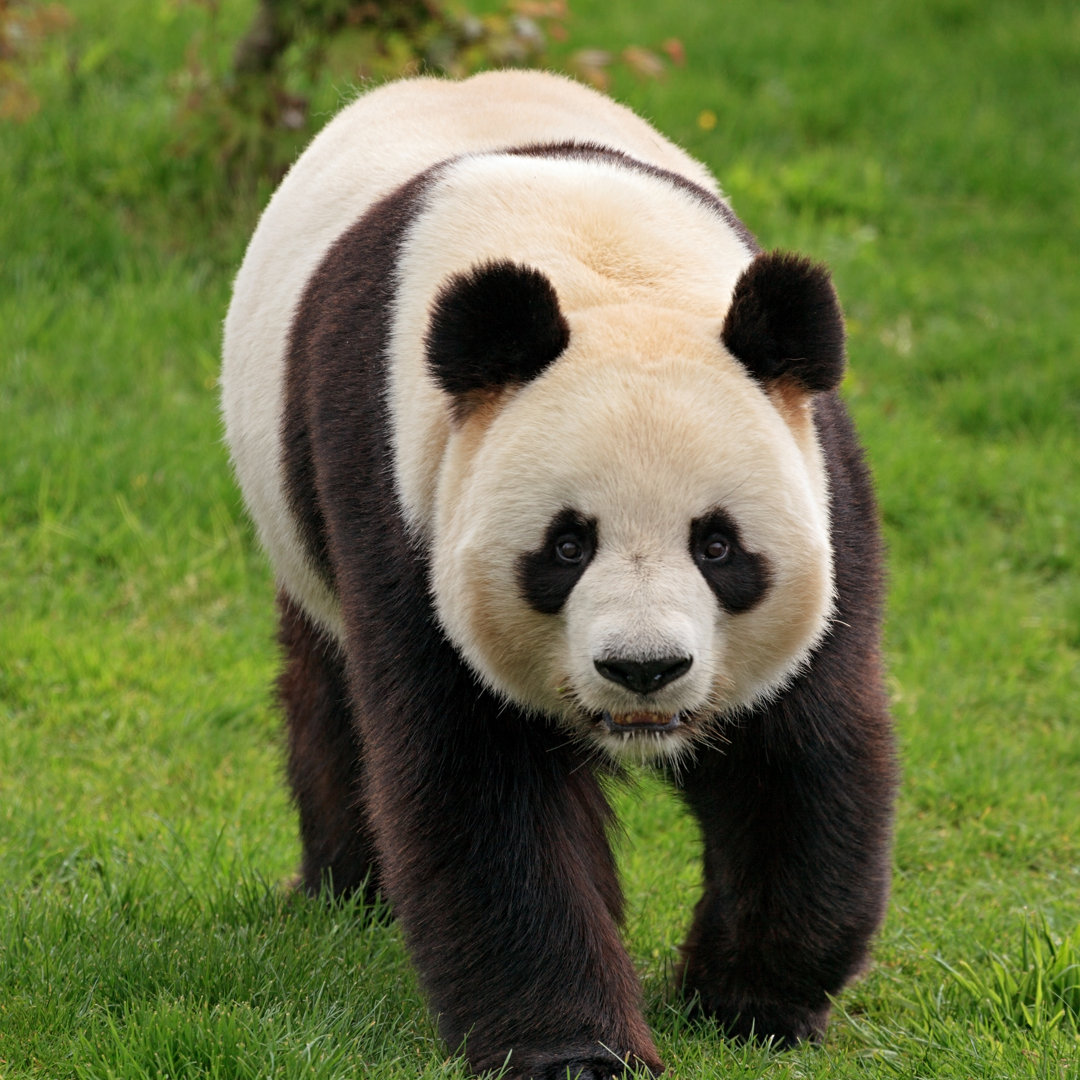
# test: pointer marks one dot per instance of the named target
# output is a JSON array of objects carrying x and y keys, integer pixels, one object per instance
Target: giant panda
[{"x": 549, "y": 460}]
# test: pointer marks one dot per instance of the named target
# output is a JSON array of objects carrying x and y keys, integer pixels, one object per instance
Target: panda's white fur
[{"x": 644, "y": 423}]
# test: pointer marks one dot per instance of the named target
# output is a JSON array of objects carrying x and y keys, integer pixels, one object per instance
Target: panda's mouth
[{"x": 649, "y": 723}]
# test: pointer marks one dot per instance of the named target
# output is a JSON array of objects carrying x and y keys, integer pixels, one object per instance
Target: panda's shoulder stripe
[
  {"x": 598, "y": 152},
  {"x": 335, "y": 369}
]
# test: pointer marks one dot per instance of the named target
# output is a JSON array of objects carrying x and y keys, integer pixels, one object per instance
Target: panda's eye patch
[
  {"x": 738, "y": 578},
  {"x": 547, "y": 576}
]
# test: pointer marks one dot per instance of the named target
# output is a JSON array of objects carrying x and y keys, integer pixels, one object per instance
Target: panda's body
[{"x": 548, "y": 458}]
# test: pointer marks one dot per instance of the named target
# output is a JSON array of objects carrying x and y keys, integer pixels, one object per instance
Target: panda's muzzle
[{"x": 643, "y": 677}]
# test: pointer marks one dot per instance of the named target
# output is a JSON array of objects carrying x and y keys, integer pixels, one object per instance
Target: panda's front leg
[
  {"x": 796, "y": 818},
  {"x": 494, "y": 855}
]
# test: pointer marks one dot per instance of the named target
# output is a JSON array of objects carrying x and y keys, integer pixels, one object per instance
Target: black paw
[
  {"x": 590, "y": 1068},
  {"x": 785, "y": 1024}
]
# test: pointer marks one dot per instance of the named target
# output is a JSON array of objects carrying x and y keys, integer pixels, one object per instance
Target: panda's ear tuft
[
  {"x": 785, "y": 323},
  {"x": 497, "y": 325}
]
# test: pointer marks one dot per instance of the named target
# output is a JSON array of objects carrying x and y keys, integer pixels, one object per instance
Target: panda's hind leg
[{"x": 324, "y": 760}]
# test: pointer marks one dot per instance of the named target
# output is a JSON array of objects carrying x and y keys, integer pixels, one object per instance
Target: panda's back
[{"x": 400, "y": 129}]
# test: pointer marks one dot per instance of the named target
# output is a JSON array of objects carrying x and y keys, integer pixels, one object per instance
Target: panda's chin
[{"x": 642, "y": 738}]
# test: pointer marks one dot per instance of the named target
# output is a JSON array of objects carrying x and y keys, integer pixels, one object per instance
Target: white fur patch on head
[{"x": 644, "y": 425}]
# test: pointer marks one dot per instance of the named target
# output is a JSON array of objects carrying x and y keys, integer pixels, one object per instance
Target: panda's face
[{"x": 636, "y": 541}]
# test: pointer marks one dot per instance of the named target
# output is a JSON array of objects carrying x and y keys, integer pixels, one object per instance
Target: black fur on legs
[
  {"x": 796, "y": 810},
  {"x": 325, "y": 760}
]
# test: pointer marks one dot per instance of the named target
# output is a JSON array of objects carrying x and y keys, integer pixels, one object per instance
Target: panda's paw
[
  {"x": 747, "y": 1019},
  {"x": 585, "y": 1068},
  {"x": 593, "y": 1070}
]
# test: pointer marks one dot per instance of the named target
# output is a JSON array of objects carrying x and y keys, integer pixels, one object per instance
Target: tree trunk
[{"x": 267, "y": 38}]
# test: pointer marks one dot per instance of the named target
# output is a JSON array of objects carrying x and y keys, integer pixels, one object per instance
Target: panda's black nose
[{"x": 644, "y": 676}]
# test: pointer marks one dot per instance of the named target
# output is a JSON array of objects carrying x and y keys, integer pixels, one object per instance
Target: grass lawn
[{"x": 930, "y": 153}]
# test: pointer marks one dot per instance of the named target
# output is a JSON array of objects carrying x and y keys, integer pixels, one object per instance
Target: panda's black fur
[{"x": 482, "y": 824}]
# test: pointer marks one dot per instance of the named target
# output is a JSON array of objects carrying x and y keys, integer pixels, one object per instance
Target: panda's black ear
[
  {"x": 785, "y": 323},
  {"x": 495, "y": 326}
]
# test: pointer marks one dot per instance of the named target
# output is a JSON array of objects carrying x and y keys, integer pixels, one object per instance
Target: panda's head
[{"x": 634, "y": 540}]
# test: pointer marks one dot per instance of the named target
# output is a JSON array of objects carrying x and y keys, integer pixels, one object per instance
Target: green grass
[{"x": 930, "y": 153}]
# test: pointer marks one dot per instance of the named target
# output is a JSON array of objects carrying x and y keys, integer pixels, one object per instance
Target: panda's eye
[
  {"x": 569, "y": 550},
  {"x": 549, "y": 574},
  {"x": 739, "y": 578},
  {"x": 716, "y": 549}
]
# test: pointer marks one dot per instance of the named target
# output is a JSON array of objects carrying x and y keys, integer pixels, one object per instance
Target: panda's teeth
[{"x": 640, "y": 724}]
